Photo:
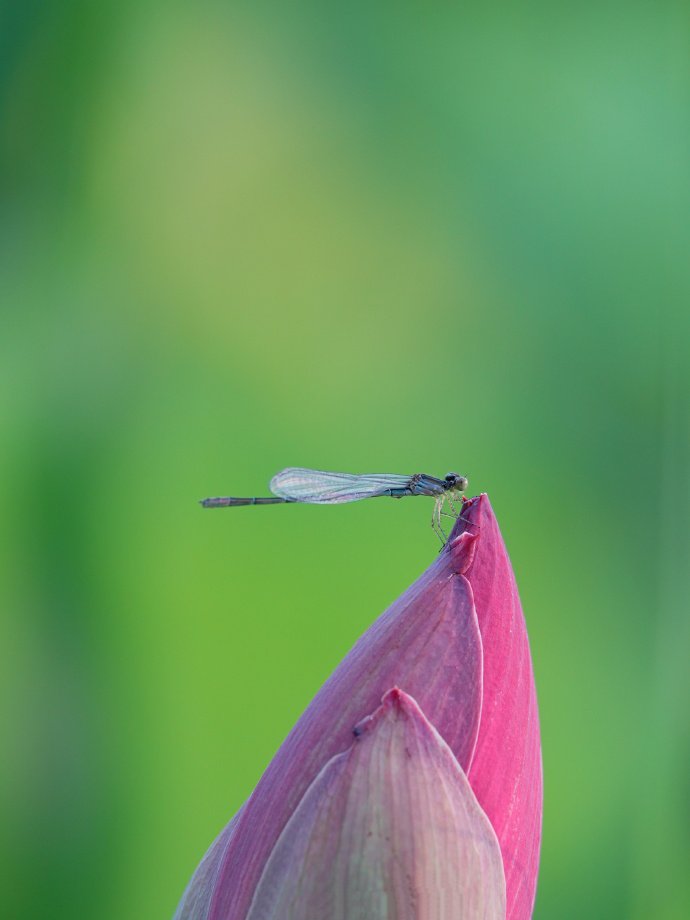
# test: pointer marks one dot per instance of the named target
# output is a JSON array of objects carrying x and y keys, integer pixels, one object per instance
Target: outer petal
[
  {"x": 506, "y": 771},
  {"x": 428, "y": 644},
  {"x": 197, "y": 897},
  {"x": 389, "y": 830}
]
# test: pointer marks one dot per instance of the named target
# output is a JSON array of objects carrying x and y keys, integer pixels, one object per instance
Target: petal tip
[
  {"x": 394, "y": 703},
  {"x": 476, "y": 513},
  {"x": 462, "y": 547}
]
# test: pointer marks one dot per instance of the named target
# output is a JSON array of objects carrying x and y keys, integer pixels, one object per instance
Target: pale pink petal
[
  {"x": 428, "y": 644},
  {"x": 389, "y": 830},
  {"x": 506, "y": 771}
]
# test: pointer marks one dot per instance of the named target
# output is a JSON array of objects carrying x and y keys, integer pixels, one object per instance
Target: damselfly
[{"x": 317, "y": 487}]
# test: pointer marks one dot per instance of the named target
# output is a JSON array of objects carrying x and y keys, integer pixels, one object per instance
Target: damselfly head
[{"x": 456, "y": 482}]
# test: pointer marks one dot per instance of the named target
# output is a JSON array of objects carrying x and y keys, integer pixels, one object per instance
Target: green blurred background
[{"x": 236, "y": 237}]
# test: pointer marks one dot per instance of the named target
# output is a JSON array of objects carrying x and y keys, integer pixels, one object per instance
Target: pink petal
[
  {"x": 389, "y": 830},
  {"x": 506, "y": 771},
  {"x": 428, "y": 644}
]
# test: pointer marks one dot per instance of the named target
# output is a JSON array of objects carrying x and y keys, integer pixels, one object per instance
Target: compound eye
[{"x": 457, "y": 482}]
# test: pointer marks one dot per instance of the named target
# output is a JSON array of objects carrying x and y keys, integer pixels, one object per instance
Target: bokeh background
[{"x": 236, "y": 237}]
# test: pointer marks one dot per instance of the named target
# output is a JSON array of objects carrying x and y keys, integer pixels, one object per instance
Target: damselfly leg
[
  {"x": 436, "y": 520},
  {"x": 439, "y": 512}
]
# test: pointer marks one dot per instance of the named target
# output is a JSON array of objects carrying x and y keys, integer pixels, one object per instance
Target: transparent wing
[{"x": 321, "y": 488}]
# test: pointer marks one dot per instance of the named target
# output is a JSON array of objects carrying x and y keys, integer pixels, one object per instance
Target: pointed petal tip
[
  {"x": 476, "y": 514},
  {"x": 462, "y": 542},
  {"x": 472, "y": 511},
  {"x": 394, "y": 702},
  {"x": 390, "y": 827},
  {"x": 461, "y": 549},
  {"x": 394, "y": 698}
]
